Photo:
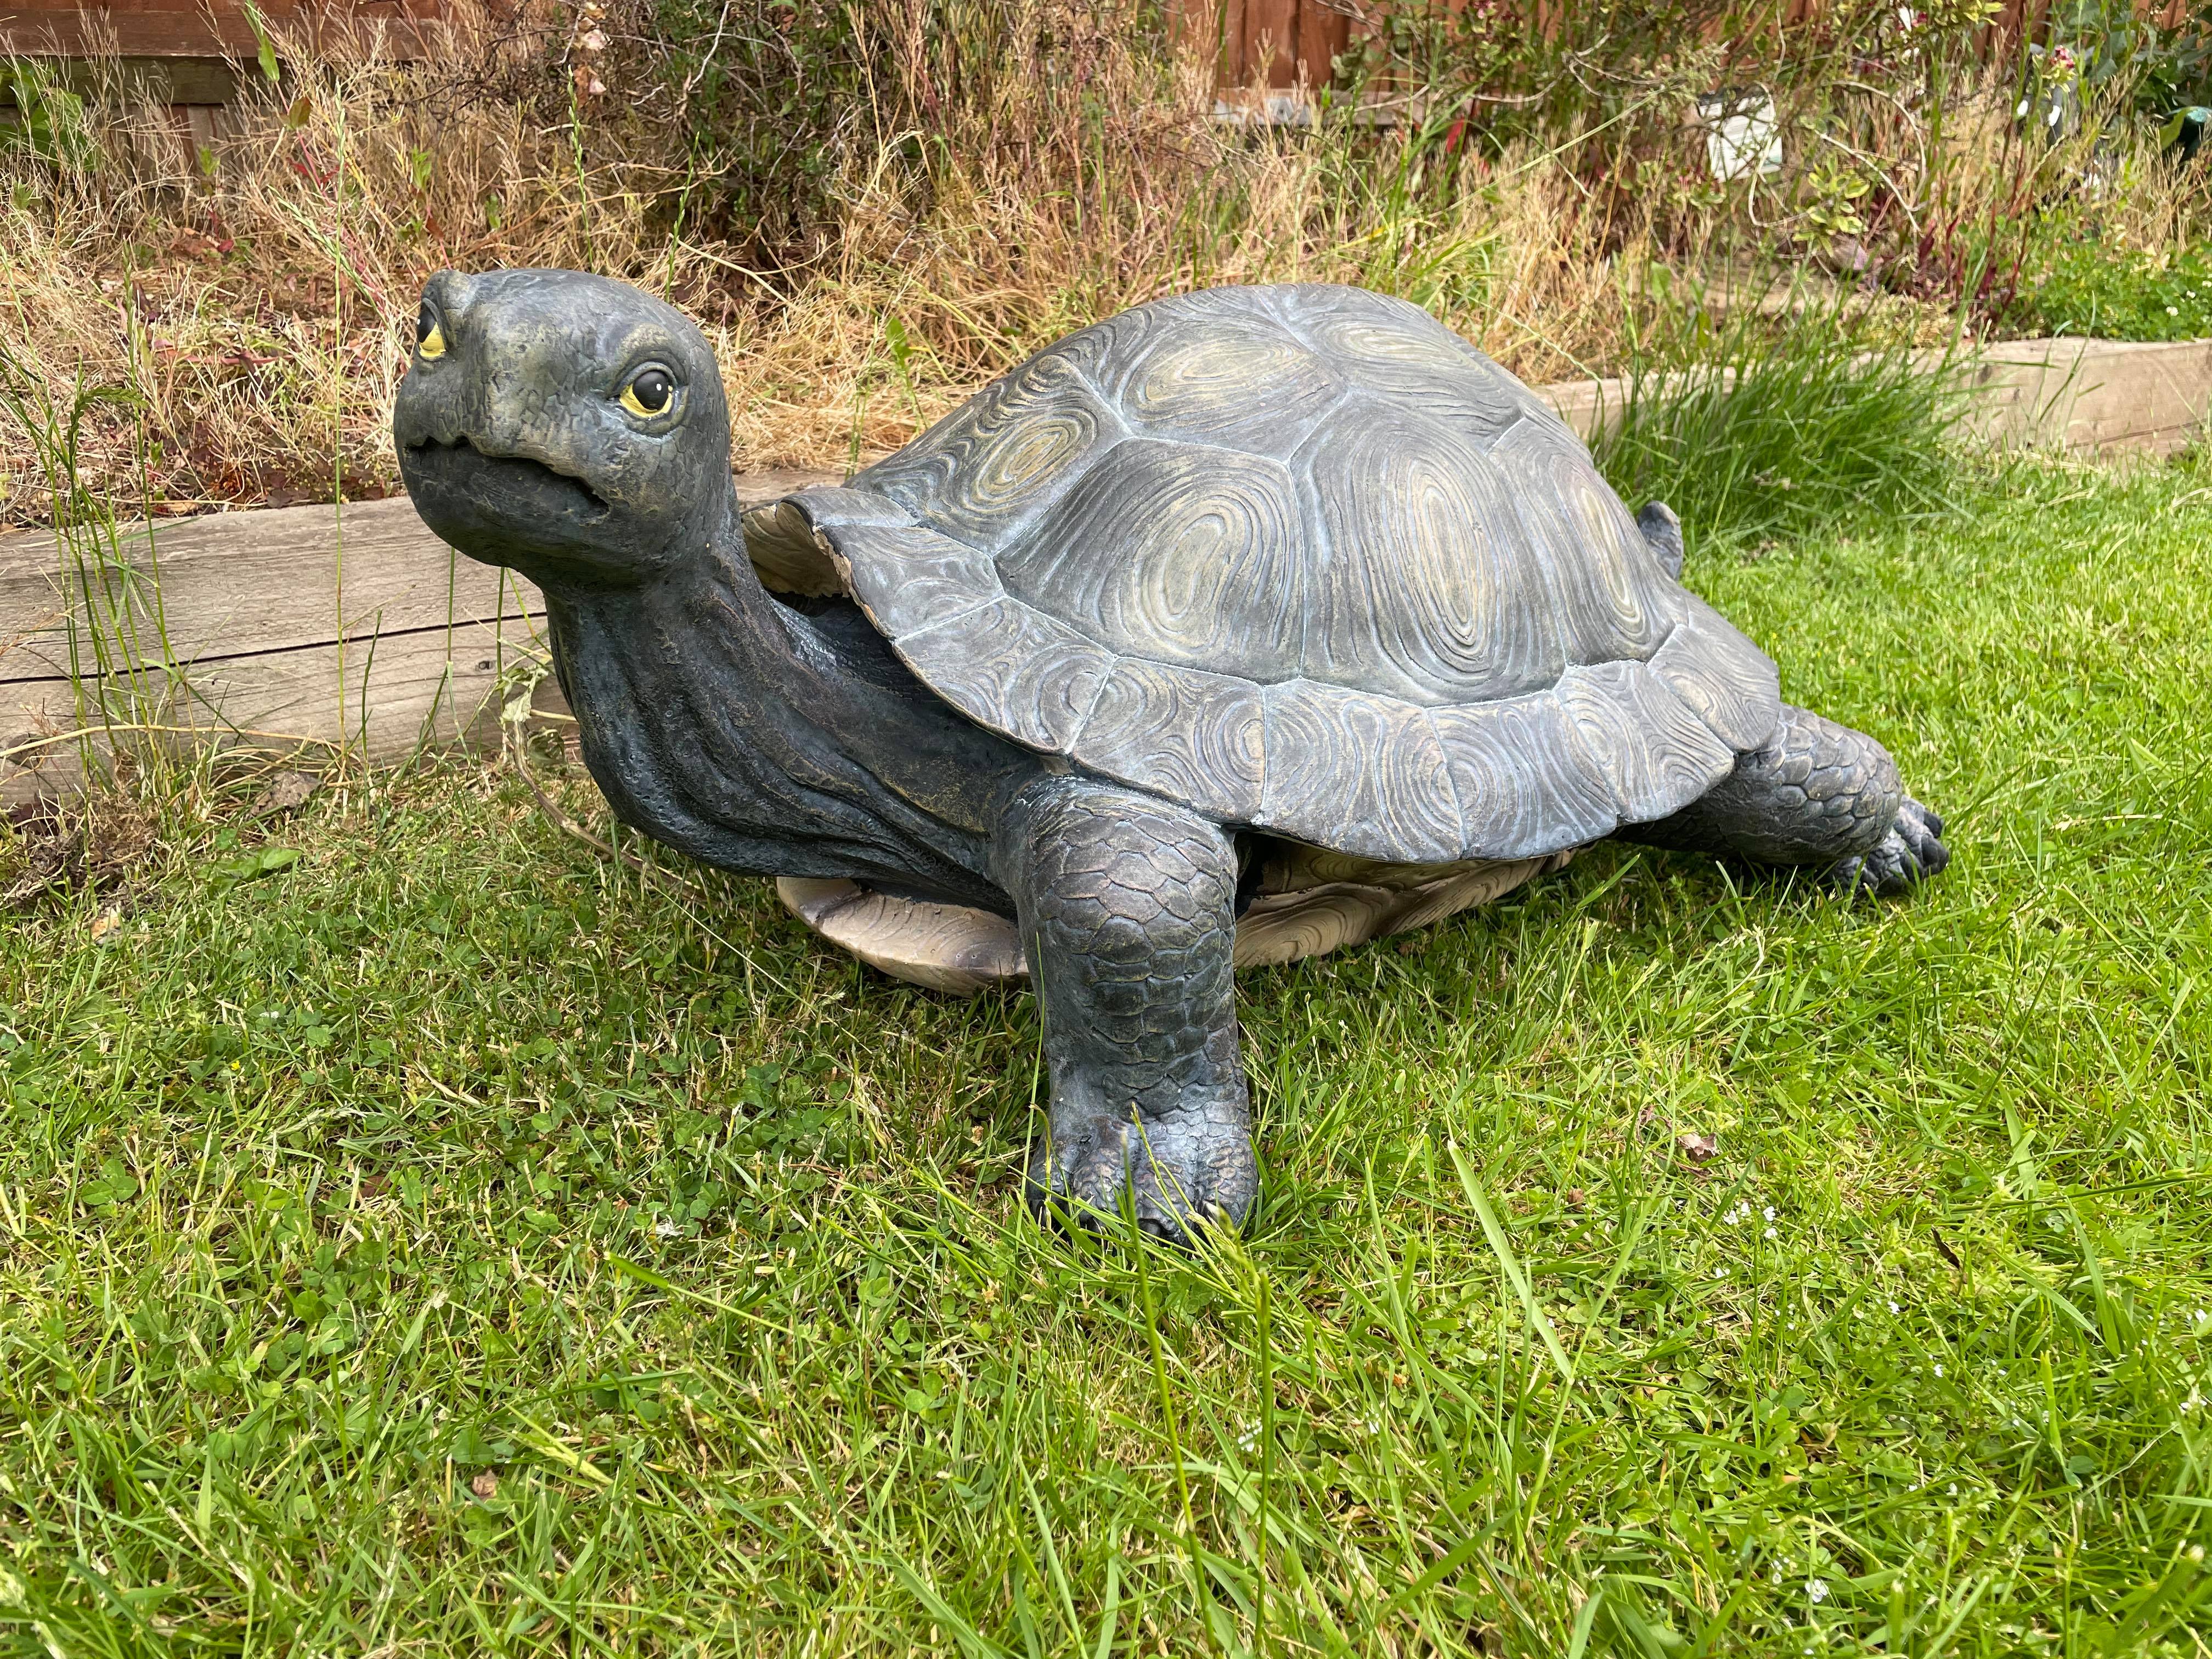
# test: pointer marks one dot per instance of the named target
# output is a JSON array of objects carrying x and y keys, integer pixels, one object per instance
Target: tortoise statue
[{"x": 1247, "y": 623}]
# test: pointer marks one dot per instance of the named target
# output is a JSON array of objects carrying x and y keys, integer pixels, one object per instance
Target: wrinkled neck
[
  {"x": 618, "y": 578},
  {"x": 764, "y": 740}
]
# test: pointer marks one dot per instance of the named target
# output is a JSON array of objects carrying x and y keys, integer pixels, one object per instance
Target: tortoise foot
[
  {"x": 1181, "y": 1173},
  {"x": 1913, "y": 851},
  {"x": 1128, "y": 910}
]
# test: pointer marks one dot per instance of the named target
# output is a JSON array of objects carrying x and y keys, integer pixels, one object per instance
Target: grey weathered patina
[{"x": 1276, "y": 604}]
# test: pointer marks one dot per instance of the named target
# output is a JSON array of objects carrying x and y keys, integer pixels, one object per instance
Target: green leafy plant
[
  {"x": 265, "y": 45},
  {"x": 1834, "y": 194},
  {"x": 2116, "y": 292},
  {"x": 50, "y": 124},
  {"x": 255, "y": 864},
  {"x": 2109, "y": 52}
]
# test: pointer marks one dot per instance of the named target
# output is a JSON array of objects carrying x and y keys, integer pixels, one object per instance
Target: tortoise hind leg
[
  {"x": 1127, "y": 909},
  {"x": 1817, "y": 794}
]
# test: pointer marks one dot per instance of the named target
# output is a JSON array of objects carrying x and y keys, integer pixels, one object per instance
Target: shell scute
[
  {"x": 1193, "y": 737},
  {"x": 986, "y": 469},
  {"x": 1656, "y": 755},
  {"x": 1526, "y": 784},
  {"x": 1234, "y": 377},
  {"x": 1378, "y": 344},
  {"x": 834, "y": 506},
  {"x": 1369, "y": 764},
  {"x": 1730, "y": 682},
  {"x": 1174, "y": 553},
  {"x": 1016, "y": 670},
  {"x": 1427, "y": 589},
  {"x": 1610, "y": 600},
  {"x": 910, "y": 579}
]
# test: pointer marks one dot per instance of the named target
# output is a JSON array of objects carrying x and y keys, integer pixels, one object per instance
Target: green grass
[
  {"x": 1752, "y": 436},
  {"x": 449, "y": 1147}
]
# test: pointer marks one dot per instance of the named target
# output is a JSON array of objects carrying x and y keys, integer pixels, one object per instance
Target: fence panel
[{"x": 1277, "y": 46}]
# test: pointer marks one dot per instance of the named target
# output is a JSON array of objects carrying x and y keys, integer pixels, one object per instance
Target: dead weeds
[
  {"x": 255, "y": 299},
  {"x": 96, "y": 841}
]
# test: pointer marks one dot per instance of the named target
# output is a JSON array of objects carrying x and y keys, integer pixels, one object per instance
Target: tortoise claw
[
  {"x": 1182, "y": 1174},
  {"x": 1911, "y": 852}
]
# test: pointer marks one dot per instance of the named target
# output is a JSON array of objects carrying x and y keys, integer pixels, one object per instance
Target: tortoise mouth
[
  {"x": 517, "y": 512},
  {"x": 464, "y": 464}
]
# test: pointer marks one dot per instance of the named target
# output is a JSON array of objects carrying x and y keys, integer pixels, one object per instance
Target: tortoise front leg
[
  {"x": 1128, "y": 914},
  {"x": 1819, "y": 794}
]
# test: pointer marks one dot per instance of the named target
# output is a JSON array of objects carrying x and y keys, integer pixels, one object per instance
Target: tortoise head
[{"x": 564, "y": 424}]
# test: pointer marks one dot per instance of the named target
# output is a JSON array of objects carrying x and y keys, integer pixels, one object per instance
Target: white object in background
[
  {"x": 1278, "y": 109},
  {"x": 1741, "y": 136},
  {"x": 1290, "y": 109}
]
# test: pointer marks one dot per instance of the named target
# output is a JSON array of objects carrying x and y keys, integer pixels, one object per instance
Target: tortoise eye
[
  {"x": 650, "y": 393},
  {"x": 429, "y": 334}
]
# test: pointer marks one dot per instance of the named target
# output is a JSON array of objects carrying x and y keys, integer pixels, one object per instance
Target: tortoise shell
[{"x": 1303, "y": 559}]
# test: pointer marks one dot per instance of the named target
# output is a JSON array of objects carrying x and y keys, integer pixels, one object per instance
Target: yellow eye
[
  {"x": 429, "y": 335},
  {"x": 649, "y": 394}
]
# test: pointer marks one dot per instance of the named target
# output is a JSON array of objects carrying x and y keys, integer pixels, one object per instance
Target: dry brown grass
[
  {"x": 911, "y": 314},
  {"x": 258, "y": 299}
]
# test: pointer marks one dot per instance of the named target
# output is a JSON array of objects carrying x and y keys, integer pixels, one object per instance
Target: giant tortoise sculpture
[{"x": 1248, "y": 623}]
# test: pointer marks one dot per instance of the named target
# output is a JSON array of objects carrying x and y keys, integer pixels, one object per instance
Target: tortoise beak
[{"x": 499, "y": 509}]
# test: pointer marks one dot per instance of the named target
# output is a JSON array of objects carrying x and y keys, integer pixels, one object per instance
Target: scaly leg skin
[
  {"x": 1817, "y": 794},
  {"x": 1128, "y": 914}
]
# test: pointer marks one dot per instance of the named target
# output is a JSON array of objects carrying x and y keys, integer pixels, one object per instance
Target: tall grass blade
[{"x": 1502, "y": 1247}]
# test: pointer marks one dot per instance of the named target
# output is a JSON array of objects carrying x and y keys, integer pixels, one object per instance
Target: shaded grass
[
  {"x": 1754, "y": 436},
  {"x": 450, "y": 1151}
]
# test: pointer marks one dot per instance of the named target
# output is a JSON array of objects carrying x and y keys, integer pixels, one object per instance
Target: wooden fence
[
  {"x": 189, "y": 28},
  {"x": 1281, "y": 46},
  {"x": 1263, "y": 45},
  {"x": 184, "y": 51}
]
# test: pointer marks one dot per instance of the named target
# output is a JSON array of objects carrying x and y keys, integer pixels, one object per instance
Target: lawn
[{"x": 451, "y": 1242}]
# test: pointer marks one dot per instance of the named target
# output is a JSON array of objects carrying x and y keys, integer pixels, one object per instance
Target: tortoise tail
[{"x": 1663, "y": 532}]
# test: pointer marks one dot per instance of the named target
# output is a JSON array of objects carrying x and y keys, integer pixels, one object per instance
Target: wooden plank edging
[
  {"x": 295, "y": 625},
  {"x": 331, "y": 627},
  {"x": 2097, "y": 396}
]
